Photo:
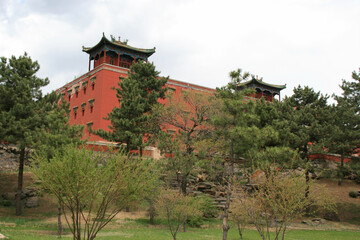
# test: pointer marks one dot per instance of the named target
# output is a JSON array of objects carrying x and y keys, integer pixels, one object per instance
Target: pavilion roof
[
  {"x": 255, "y": 81},
  {"x": 117, "y": 45}
]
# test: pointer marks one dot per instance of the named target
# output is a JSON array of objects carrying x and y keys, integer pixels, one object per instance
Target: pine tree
[
  {"x": 235, "y": 127},
  {"x": 55, "y": 133},
  {"x": 345, "y": 135},
  {"x": 20, "y": 108},
  {"x": 271, "y": 151},
  {"x": 309, "y": 122},
  {"x": 134, "y": 119}
]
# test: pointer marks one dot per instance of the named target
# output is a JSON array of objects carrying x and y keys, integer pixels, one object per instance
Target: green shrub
[
  {"x": 195, "y": 221},
  {"x": 208, "y": 207},
  {"x": 6, "y": 203},
  {"x": 353, "y": 194}
]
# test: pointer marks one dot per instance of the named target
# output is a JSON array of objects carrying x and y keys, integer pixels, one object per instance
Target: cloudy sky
[{"x": 308, "y": 42}]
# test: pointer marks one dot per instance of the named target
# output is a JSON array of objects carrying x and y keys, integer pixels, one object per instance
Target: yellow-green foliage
[
  {"x": 277, "y": 201},
  {"x": 93, "y": 187},
  {"x": 177, "y": 208}
]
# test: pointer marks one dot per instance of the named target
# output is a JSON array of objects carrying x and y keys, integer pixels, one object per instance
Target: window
[
  {"x": 89, "y": 127},
  {"x": 172, "y": 132},
  {"x": 75, "y": 111},
  {"x": 170, "y": 91},
  {"x": 77, "y": 91},
  {"x": 69, "y": 94},
  {"x": 91, "y": 104},
  {"x": 84, "y": 85},
  {"x": 92, "y": 80},
  {"x": 83, "y": 108}
]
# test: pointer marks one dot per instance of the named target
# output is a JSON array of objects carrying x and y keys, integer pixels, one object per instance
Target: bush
[
  {"x": 208, "y": 209},
  {"x": 195, "y": 221},
  {"x": 353, "y": 194},
  {"x": 208, "y": 206},
  {"x": 6, "y": 203}
]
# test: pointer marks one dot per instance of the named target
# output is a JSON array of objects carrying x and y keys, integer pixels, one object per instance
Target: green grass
[{"x": 31, "y": 229}]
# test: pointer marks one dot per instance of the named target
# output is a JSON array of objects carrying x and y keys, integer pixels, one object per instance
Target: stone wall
[{"x": 9, "y": 158}]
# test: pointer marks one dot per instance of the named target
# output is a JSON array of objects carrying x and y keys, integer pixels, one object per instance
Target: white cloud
[{"x": 313, "y": 43}]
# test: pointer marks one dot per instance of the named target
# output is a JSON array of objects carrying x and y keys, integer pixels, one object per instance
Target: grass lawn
[
  {"x": 41, "y": 222},
  {"x": 31, "y": 229}
]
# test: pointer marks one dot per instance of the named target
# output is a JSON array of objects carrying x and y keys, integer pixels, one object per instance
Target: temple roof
[
  {"x": 117, "y": 45},
  {"x": 255, "y": 81}
]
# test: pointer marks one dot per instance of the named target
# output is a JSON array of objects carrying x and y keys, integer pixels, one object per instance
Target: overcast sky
[{"x": 307, "y": 42}]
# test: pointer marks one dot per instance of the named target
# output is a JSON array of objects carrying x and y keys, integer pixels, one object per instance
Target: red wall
[{"x": 107, "y": 77}]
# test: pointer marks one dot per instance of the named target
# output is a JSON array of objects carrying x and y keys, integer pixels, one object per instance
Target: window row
[
  {"x": 84, "y": 88},
  {"x": 83, "y": 105}
]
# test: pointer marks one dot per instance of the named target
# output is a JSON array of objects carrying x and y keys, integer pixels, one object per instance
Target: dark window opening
[
  {"x": 172, "y": 132},
  {"x": 83, "y": 112},
  {"x": 77, "y": 94},
  {"x": 75, "y": 115},
  {"x": 84, "y": 90},
  {"x": 91, "y": 109},
  {"x": 89, "y": 125},
  {"x": 93, "y": 86}
]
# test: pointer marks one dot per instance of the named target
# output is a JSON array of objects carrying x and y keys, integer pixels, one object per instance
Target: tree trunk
[
  {"x": 341, "y": 170},
  {"x": 183, "y": 184},
  {"x": 226, "y": 226},
  {"x": 240, "y": 231},
  {"x": 283, "y": 234},
  {"x": 20, "y": 181},
  {"x": 59, "y": 222},
  {"x": 151, "y": 212},
  {"x": 184, "y": 226},
  {"x": 307, "y": 180}
]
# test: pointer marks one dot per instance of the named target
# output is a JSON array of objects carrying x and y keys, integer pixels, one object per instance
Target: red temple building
[{"x": 92, "y": 96}]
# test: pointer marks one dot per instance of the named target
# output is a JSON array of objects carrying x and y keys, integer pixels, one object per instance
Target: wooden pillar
[
  {"x": 89, "y": 63},
  {"x": 279, "y": 96},
  {"x": 104, "y": 56},
  {"x": 118, "y": 59},
  {"x": 272, "y": 96}
]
